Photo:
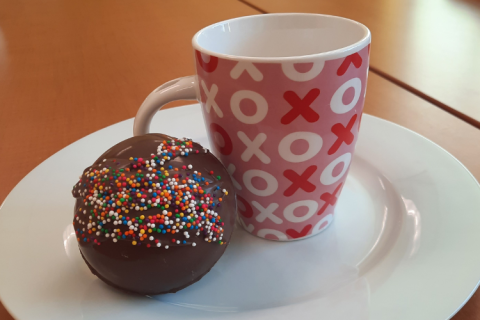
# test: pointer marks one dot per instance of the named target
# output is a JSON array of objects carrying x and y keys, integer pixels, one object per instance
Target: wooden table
[
  {"x": 69, "y": 68},
  {"x": 429, "y": 47}
]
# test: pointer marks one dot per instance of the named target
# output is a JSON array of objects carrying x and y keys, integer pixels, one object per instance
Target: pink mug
[{"x": 282, "y": 98}]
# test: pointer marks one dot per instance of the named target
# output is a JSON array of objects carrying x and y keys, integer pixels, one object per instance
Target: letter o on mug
[
  {"x": 289, "y": 210},
  {"x": 289, "y": 70},
  {"x": 278, "y": 234},
  {"x": 322, "y": 224},
  {"x": 257, "y": 98},
  {"x": 327, "y": 177},
  {"x": 228, "y": 146},
  {"x": 272, "y": 183},
  {"x": 336, "y": 104},
  {"x": 315, "y": 143}
]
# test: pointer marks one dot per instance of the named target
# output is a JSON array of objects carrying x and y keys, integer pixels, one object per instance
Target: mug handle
[{"x": 179, "y": 89}]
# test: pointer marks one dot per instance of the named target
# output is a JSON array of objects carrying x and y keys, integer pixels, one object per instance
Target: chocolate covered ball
[{"x": 153, "y": 214}]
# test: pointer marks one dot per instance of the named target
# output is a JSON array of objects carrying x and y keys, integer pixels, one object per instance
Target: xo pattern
[{"x": 286, "y": 134}]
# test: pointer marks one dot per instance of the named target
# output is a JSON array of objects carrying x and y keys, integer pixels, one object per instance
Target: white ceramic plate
[{"x": 404, "y": 243}]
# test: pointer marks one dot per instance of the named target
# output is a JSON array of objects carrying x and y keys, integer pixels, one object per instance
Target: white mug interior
[{"x": 271, "y": 37}]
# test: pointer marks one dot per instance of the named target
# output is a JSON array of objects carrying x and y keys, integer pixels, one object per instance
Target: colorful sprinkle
[{"x": 112, "y": 194}]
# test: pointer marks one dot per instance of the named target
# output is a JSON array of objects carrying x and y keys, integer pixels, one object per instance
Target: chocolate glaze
[{"x": 136, "y": 268}]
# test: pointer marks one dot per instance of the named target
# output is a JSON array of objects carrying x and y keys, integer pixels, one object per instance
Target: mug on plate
[{"x": 282, "y": 98}]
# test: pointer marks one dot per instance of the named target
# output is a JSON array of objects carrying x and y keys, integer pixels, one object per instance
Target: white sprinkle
[
  {"x": 166, "y": 247},
  {"x": 151, "y": 238},
  {"x": 194, "y": 244},
  {"x": 114, "y": 239},
  {"x": 159, "y": 244}
]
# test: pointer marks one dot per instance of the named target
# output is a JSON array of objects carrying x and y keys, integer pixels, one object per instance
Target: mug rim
[{"x": 327, "y": 55}]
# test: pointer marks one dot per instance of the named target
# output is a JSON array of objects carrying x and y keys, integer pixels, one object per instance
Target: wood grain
[
  {"x": 4, "y": 315},
  {"x": 69, "y": 68},
  {"x": 430, "y": 46}
]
